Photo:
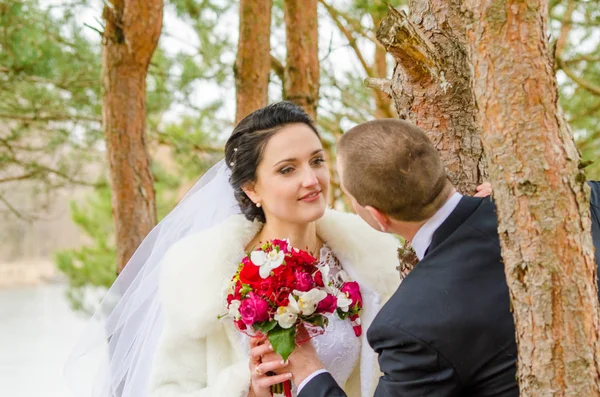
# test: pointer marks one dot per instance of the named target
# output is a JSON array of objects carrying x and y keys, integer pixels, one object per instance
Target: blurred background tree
[{"x": 50, "y": 109}]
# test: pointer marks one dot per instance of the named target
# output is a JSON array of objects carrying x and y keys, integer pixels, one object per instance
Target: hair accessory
[{"x": 232, "y": 164}]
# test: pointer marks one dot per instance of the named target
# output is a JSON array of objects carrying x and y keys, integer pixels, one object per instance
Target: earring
[{"x": 258, "y": 205}]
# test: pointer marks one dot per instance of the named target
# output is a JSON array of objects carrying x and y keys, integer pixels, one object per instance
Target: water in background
[{"x": 37, "y": 332}]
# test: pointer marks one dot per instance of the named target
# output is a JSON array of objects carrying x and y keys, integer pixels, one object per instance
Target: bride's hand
[
  {"x": 484, "y": 190},
  {"x": 260, "y": 385}
]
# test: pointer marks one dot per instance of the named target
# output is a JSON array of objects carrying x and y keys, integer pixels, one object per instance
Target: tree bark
[
  {"x": 431, "y": 85},
  {"x": 301, "y": 75},
  {"x": 542, "y": 199},
  {"x": 129, "y": 40},
  {"x": 253, "y": 62}
]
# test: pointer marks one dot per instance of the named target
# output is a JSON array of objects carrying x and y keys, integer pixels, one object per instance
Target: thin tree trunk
[
  {"x": 129, "y": 40},
  {"x": 253, "y": 62},
  {"x": 431, "y": 85},
  {"x": 383, "y": 101},
  {"x": 301, "y": 80},
  {"x": 542, "y": 199}
]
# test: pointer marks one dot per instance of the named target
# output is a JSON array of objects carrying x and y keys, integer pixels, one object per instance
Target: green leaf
[
  {"x": 245, "y": 289},
  {"x": 318, "y": 320},
  {"x": 265, "y": 326},
  {"x": 283, "y": 341}
]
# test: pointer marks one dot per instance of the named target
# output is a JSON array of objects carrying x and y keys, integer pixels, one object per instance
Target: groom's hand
[{"x": 304, "y": 361}]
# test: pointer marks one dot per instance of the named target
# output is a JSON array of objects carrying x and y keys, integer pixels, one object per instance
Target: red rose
[
  {"x": 353, "y": 290},
  {"x": 319, "y": 279},
  {"x": 283, "y": 298},
  {"x": 254, "y": 309},
  {"x": 327, "y": 305},
  {"x": 250, "y": 273},
  {"x": 304, "y": 281},
  {"x": 305, "y": 258}
]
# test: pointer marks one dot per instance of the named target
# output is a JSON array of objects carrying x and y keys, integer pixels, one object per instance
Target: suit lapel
[{"x": 466, "y": 206}]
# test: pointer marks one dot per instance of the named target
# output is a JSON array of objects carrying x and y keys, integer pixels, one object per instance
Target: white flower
[
  {"x": 286, "y": 316},
  {"x": 234, "y": 308},
  {"x": 308, "y": 301},
  {"x": 267, "y": 261},
  {"x": 343, "y": 302}
]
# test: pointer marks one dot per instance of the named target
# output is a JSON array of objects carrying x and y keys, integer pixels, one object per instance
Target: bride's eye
[
  {"x": 318, "y": 161},
  {"x": 286, "y": 170}
]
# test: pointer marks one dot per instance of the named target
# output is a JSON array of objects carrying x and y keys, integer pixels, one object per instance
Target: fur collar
[{"x": 197, "y": 268}]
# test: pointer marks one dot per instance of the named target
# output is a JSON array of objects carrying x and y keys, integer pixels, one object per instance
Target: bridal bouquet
[{"x": 278, "y": 287}]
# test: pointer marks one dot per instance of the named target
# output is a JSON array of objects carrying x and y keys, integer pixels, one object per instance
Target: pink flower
[
  {"x": 304, "y": 281},
  {"x": 254, "y": 309},
  {"x": 239, "y": 324},
  {"x": 353, "y": 290},
  {"x": 327, "y": 305}
]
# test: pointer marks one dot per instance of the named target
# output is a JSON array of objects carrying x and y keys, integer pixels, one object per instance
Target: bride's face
[{"x": 292, "y": 180}]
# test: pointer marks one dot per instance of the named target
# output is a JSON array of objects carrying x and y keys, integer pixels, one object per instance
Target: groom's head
[{"x": 391, "y": 172}]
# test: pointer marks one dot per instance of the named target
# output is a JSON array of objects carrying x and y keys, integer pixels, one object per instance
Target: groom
[{"x": 448, "y": 329}]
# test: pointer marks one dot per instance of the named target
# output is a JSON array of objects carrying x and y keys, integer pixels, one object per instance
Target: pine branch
[
  {"x": 335, "y": 15},
  {"x": 44, "y": 118},
  {"x": 590, "y": 87},
  {"x": 277, "y": 67}
]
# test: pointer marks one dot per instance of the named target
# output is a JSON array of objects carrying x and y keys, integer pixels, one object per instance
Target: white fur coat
[{"x": 201, "y": 356}]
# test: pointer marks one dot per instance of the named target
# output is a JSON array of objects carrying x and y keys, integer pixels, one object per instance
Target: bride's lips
[{"x": 311, "y": 196}]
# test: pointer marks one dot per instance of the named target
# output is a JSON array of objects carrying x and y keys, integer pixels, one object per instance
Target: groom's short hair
[{"x": 391, "y": 165}]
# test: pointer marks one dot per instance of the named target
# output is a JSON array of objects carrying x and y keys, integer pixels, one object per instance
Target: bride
[{"x": 280, "y": 180}]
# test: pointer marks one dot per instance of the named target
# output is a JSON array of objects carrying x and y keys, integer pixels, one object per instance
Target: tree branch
[
  {"x": 564, "y": 29},
  {"x": 409, "y": 46},
  {"x": 19, "y": 177},
  {"x": 592, "y": 88},
  {"x": 383, "y": 85},
  {"x": 277, "y": 67},
  {"x": 357, "y": 27},
  {"x": 335, "y": 15},
  {"x": 54, "y": 117},
  {"x": 13, "y": 210},
  {"x": 582, "y": 58}
]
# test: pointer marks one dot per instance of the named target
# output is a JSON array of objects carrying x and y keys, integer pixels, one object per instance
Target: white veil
[{"x": 114, "y": 356}]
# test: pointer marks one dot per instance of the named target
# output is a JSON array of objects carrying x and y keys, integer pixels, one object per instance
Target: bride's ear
[
  {"x": 382, "y": 219},
  {"x": 250, "y": 191}
]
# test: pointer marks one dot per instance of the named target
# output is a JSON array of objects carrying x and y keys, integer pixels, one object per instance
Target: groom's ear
[{"x": 382, "y": 219}]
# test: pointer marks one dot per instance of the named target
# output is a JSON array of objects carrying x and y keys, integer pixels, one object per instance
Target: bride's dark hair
[{"x": 244, "y": 148}]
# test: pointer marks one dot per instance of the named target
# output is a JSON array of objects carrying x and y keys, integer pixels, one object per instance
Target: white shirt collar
[{"x": 422, "y": 239}]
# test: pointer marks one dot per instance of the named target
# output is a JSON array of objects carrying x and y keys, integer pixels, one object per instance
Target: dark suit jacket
[{"x": 448, "y": 329}]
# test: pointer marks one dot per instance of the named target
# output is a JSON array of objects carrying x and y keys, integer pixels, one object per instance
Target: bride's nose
[{"x": 309, "y": 178}]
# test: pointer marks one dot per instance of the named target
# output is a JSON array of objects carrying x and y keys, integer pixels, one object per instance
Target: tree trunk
[
  {"x": 129, "y": 40},
  {"x": 383, "y": 102},
  {"x": 301, "y": 80},
  {"x": 542, "y": 199},
  {"x": 253, "y": 62},
  {"x": 431, "y": 85}
]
